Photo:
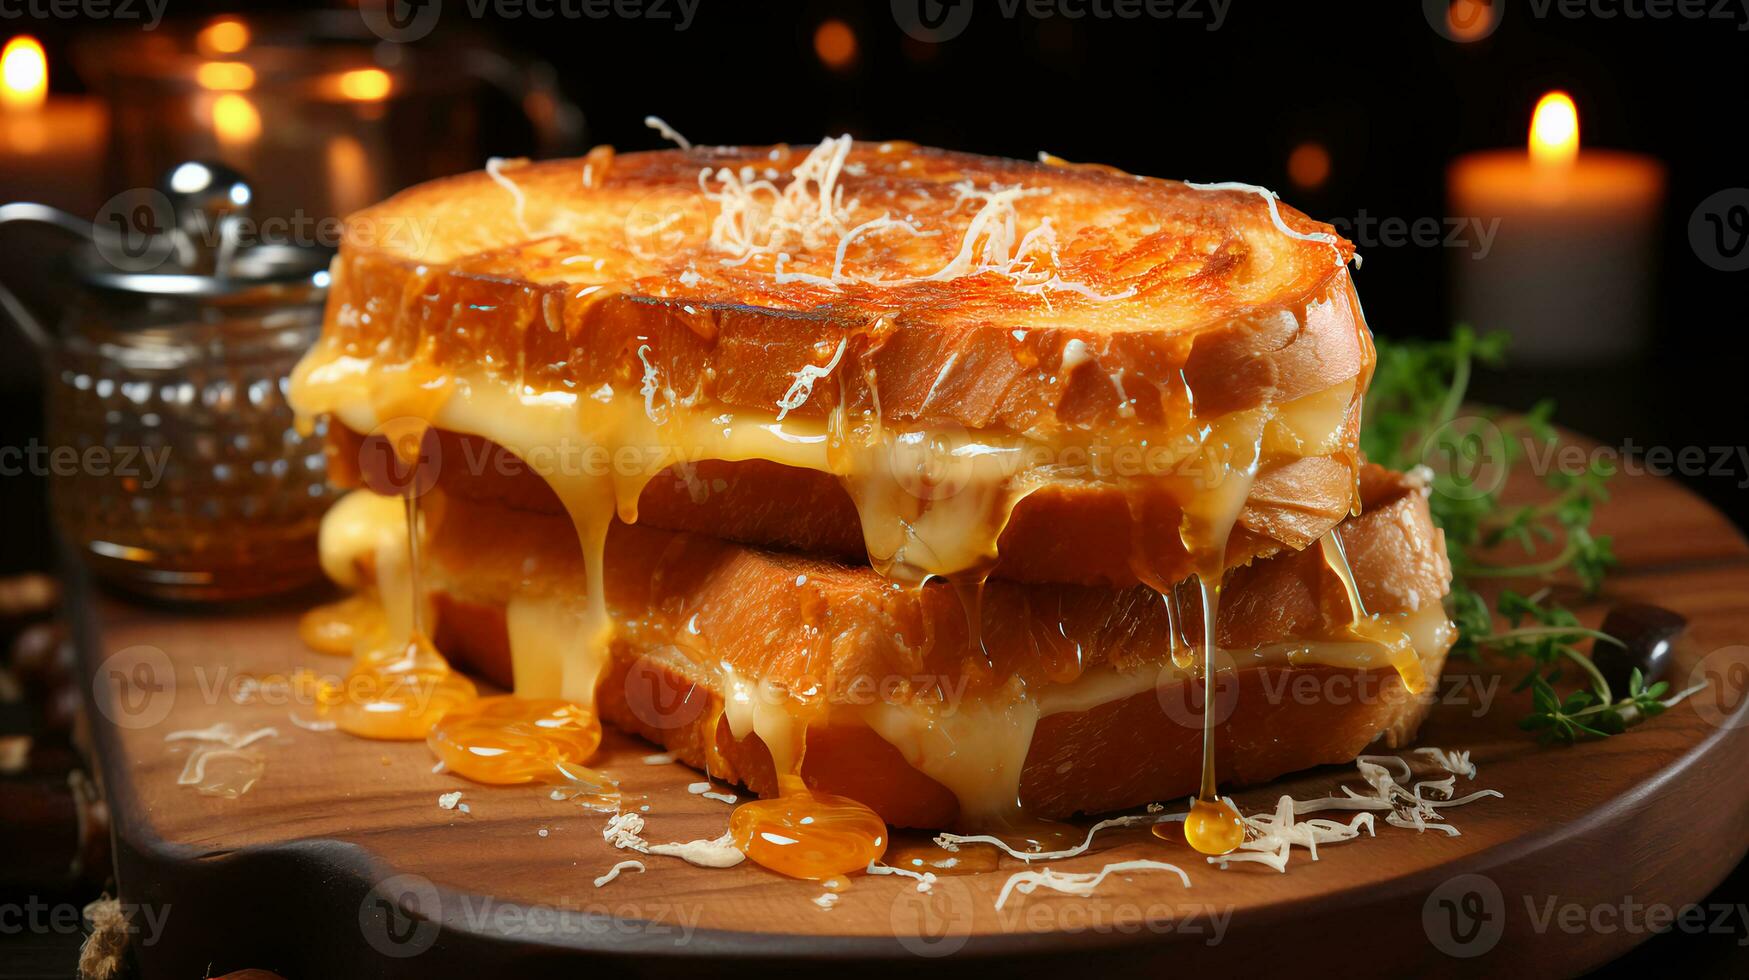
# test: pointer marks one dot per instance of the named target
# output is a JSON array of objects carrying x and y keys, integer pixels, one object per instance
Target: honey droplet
[
  {"x": 396, "y": 695},
  {"x": 809, "y": 835},
  {"x": 1212, "y": 827},
  {"x": 505, "y": 739}
]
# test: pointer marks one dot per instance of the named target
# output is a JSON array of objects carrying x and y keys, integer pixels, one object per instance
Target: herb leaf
[{"x": 1412, "y": 419}]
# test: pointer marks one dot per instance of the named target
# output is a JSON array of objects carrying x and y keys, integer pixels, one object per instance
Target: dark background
[{"x": 1392, "y": 100}]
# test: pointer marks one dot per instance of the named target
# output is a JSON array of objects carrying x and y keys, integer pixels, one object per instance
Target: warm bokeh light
[
  {"x": 349, "y": 175},
  {"x": 235, "y": 119},
  {"x": 24, "y": 73},
  {"x": 225, "y": 76},
  {"x": 1554, "y": 130},
  {"x": 835, "y": 43},
  {"x": 1468, "y": 20},
  {"x": 1308, "y": 166},
  {"x": 226, "y": 35},
  {"x": 365, "y": 84}
]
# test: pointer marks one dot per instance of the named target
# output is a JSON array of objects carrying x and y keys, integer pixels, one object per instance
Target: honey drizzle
[
  {"x": 934, "y": 539},
  {"x": 1370, "y": 628},
  {"x": 399, "y": 689},
  {"x": 1213, "y": 826}
]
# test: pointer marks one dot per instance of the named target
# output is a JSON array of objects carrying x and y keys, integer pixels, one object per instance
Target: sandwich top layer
[
  {"x": 944, "y": 333},
  {"x": 935, "y": 287}
]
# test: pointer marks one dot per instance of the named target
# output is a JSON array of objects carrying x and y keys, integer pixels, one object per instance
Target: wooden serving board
[{"x": 340, "y": 862}]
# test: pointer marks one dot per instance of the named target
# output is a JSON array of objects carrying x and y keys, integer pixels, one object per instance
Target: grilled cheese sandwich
[{"x": 1056, "y": 437}]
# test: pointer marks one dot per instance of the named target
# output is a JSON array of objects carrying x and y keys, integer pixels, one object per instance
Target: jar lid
[{"x": 192, "y": 239}]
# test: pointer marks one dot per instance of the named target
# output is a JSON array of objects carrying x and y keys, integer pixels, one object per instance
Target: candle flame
[
  {"x": 365, "y": 84},
  {"x": 226, "y": 35},
  {"x": 24, "y": 74},
  {"x": 1554, "y": 130},
  {"x": 235, "y": 119},
  {"x": 225, "y": 76}
]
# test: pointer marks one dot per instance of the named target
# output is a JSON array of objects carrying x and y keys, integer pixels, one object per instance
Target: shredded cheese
[
  {"x": 803, "y": 386},
  {"x": 1453, "y": 762},
  {"x": 625, "y": 831},
  {"x": 1271, "y": 837},
  {"x": 1270, "y": 198},
  {"x": 614, "y": 871},
  {"x": 223, "y": 734},
  {"x": 649, "y": 388},
  {"x": 519, "y": 203},
  {"x": 952, "y": 842},
  {"x": 809, "y": 214},
  {"x": 925, "y": 880},
  {"x": 1078, "y": 883},
  {"x": 668, "y": 132}
]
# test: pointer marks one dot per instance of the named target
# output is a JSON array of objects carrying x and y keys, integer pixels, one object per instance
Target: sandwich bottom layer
[{"x": 941, "y": 707}]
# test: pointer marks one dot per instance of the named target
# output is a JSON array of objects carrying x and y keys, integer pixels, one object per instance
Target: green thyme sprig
[{"x": 1412, "y": 418}]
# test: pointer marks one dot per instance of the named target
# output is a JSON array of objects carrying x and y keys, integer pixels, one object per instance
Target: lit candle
[
  {"x": 1568, "y": 267},
  {"x": 51, "y": 147}
]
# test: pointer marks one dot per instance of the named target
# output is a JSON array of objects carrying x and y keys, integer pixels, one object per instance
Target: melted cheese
[
  {"x": 931, "y": 504},
  {"x": 977, "y": 747}
]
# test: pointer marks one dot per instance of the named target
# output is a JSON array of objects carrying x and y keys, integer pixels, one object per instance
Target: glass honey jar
[{"x": 176, "y": 468}]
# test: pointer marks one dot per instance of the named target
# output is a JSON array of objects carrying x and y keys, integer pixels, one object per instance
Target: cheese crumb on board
[{"x": 614, "y": 871}]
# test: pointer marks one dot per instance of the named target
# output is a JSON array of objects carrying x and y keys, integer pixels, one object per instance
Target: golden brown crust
[
  {"x": 798, "y": 621},
  {"x": 1224, "y": 301}
]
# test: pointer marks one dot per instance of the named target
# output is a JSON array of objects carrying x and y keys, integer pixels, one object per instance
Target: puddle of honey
[
  {"x": 806, "y": 834},
  {"x": 505, "y": 739}
]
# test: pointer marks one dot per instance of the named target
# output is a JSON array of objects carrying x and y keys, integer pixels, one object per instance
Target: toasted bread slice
[
  {"x": 894, "y": 318},
  {"x": 1071, "y": 696},
  {"x": 758, "y": 502}
]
